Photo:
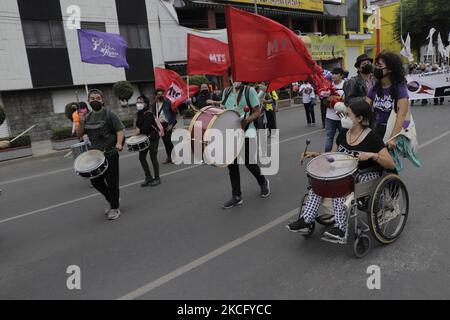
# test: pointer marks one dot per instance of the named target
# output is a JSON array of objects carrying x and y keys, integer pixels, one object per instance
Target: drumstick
[
  {"x": 68, "y": 154},
  {"x": 306, "y": 148},
  {"x": 400, "y": 133},
  {"x": 22, "y": 133}
]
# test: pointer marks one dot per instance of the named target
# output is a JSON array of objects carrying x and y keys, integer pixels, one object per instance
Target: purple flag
[{"x": 102, "y": 48}]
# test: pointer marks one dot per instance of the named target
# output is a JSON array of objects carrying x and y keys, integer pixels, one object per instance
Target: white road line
[
  {"x": 125, "y": 186},
  {"x": 229, "y": 246},
  {"x": 202, "y": 260}
]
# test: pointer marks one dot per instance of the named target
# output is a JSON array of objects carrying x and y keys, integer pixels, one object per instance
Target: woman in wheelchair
[{"x": 356, "y": 139}]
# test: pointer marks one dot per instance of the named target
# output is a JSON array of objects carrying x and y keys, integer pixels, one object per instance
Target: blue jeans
[{"x": 331, "y": 126}]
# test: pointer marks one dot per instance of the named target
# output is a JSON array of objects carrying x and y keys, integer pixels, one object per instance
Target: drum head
[
  {"x": 321, "y": 168},
  {"x": 136, "y": 139},
  {"x": 228, "y": 126},
  {"x": 89, "y": 161}
]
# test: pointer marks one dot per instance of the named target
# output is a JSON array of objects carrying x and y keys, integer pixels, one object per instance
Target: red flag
[
  {"x": 207, "y": 56},
  {"x": 262, "y": 49},
  {"x": 174, "y": 86}
]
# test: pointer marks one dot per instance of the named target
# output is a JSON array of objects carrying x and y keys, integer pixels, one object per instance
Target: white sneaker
[
  {"x": 113, "y": 214},
  {"x": 107, "y": 209}
]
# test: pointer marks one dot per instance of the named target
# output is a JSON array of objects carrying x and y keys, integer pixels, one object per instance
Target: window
[
  {"x": 352, "y": 21},
  {"x": 97, "y": 26},
  {"x": 136, "y": 36},
  {"x": 43, "y": 34}
]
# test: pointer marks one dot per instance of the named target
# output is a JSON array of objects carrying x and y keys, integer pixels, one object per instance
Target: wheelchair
[{"x": 384, "y": 202}]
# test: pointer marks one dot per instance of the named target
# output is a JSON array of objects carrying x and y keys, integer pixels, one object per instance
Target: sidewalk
[{"x": 43, "y": 149}]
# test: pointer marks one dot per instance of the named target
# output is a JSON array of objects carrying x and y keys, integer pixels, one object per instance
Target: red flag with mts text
[
  {"x": 264, "y": 50},
  {"x": 207, "y": 56},
  {"x": 174, "y": 86}
]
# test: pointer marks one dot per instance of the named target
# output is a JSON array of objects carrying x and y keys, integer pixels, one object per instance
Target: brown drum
[
  {"x": 332, "y": 179},
  {"x": 203, "y": 128}
]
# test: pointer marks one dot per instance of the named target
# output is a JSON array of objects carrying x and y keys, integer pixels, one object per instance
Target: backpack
[
  {"x": 246, "y": 93},
  {"x": 108, "y": 122}
]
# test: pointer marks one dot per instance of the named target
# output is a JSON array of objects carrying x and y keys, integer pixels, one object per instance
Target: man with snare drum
[{"x": 105, "y": 132}]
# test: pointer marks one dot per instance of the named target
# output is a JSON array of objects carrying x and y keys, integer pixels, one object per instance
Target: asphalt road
[{"x": 175, "y": 242}]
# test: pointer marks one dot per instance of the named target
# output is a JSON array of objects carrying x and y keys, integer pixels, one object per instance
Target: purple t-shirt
[{"x": 383, "y": 105}]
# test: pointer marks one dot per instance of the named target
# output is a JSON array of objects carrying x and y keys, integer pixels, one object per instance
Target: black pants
[
  {"x": 167, "y": 139},
  {"x": 108, "y": 183},
  {"x": 309, "y": 110},
  {"x": 153, "y": 150},
  {"x": 380, "y": 129},
  {"x": 438, "y": 100},
  {"x": 235, "y": 175},
  {"x": 271, "y": 120},
  {"x": 323, "y": 112}
]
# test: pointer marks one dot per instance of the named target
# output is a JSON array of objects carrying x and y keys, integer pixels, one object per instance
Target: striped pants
[{"x": 313, "y": 202}]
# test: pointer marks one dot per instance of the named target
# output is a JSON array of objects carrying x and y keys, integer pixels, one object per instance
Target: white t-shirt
[
  {"x": 331, "y": 114},
  {"x": 307, "y": 96}
]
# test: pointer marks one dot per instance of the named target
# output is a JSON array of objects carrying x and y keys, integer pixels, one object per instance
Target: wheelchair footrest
[{"x": 335, "y": 241}]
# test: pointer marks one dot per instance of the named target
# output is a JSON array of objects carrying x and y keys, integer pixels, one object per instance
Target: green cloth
[
  {"x": 102, "y": 130},
  {"x": 404, "y": 150},
  {"x": 230, "y": 104}
]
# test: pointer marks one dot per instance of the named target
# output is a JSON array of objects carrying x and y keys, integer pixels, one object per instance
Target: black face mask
[
  {"x": 205, "y": 91},
  {"x": 161, "y": 98},
  {"x": 378, "y": 73},
  {"x": 96, "y": 105},
  {"x": 367, "y": 69}
]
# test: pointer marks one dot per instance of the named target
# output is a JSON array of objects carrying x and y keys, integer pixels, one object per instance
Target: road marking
[
  {"x": 231, "y": 245},
  {"x": 128, "y": 185},
  {"x": 202, "y": 260}
]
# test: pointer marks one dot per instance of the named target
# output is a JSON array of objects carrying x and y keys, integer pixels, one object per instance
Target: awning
[
  {"x": 251, "y": 8},
  {"x": 334, "y": 10}
]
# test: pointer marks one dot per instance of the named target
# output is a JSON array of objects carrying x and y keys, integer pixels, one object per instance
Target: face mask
[
  {"x": 140, "y": 106},
  {"x": 160, "y": 98},
  {"x": 346, "y": 123},
  {"x": 204, "y": 91},
  {"x": 96, "y": 105},
  {"x": 367, "y": 69},
  {"x": 378, "y": 73}
]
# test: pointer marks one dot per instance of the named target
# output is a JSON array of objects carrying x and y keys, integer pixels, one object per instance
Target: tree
[
  {"x": 123, "y": 90},
  {"x": 198, "y": 80},
  {"x": 419, "y": 16}
]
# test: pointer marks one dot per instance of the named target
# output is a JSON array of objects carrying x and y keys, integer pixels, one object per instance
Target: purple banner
[{"x": 102, "y": 48}]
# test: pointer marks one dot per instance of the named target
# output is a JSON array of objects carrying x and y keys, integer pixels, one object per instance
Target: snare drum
[
  {"x": 204, "y": 127},
  {"x": 332, "y": 179},
  {"x": 79, "y": 148},
  {"x": 138, "y": 143},
  {"x": 90, "y": 164}
]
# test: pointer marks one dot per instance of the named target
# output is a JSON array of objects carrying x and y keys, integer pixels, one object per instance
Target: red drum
[
  {"x": 332, "y": 179},
  {"x": 204, "y": 128}
]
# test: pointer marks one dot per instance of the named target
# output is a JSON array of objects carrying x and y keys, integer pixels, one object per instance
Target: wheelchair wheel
[
  {"x": 388, "y": 209},
  {"x": 362, "y": 245}
]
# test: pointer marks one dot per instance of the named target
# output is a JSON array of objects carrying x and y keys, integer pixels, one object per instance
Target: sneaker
[
  {"x": 155, "y": 182},
  {"x": 113, "y": 214},
  {"x": 299, "y": 226},
  {"x": 265, "y": 189},
  {"x": 107, "y": 209},
  {"x": 147, "y": 182},
  {"x": 335, "y": 233},
  {"x": 233, "y": 202},
  {"x": 168, "y": 161}
]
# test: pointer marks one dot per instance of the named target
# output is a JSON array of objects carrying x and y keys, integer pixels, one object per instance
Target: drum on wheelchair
[{"x": 384, "y": 201}]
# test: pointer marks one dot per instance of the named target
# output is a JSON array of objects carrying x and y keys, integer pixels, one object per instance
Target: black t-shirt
[
  {"x": 146, "y": 123},
  {"x": 371, "y": 143},
  {"x": 199, "y": 100}
]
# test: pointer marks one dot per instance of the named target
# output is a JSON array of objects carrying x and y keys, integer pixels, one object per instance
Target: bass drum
[{"x": 216, "y": 136}]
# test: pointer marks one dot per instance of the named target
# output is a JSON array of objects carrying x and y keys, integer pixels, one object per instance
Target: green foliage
[
  {"x": 61, "y": 133},
  {"x": 123, "y": 90},
  {"x": 69, "y": 111},
  {"x": 2, "y": 115},
  {"x": 198, "y": 80},
  {"x": 128, "y": 123},
  {"x": 23, "y": 141},
  {"x": 419, "y": 16},
  {"x": 188, "y": 113}
]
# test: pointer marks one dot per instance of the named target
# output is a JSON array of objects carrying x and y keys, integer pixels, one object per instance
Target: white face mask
[
  {"x": 140, "y": 106},
  {"x": 346, "y": 123}
]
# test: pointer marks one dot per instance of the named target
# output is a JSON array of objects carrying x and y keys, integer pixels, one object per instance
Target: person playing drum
[
  {"x": 147, "y": 125},
  {"x": 356, "y": 139},
  {"x": 105, "y": 132}
]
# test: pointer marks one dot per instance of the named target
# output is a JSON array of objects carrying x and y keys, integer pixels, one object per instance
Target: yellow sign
[
  {"x": 327, "y": 47},
  {"x": 312, "y": 5}
]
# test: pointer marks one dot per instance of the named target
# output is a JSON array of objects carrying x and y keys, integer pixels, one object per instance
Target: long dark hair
[
  {"x": 363, "y": 109},
  {"x": 397, "y": 75}
]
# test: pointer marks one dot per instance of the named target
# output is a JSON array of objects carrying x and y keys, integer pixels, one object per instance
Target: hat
[{"x": 361, "y": 58}]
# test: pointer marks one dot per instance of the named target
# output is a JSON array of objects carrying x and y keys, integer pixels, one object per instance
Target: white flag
[
  {"x": 430, "y": 50},
  {"x": 406, "y": 51},
  {"x": 441, "y": 47}
]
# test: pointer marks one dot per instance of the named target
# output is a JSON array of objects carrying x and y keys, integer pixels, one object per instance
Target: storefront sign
[
  {"x": 311, "y": 5},
  {"x": 327, "y": 47}
]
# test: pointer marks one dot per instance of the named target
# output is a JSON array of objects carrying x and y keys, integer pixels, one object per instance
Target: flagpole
[
  {"x": 256, "y": 6},
  {"x": 401, "y": 19}
]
